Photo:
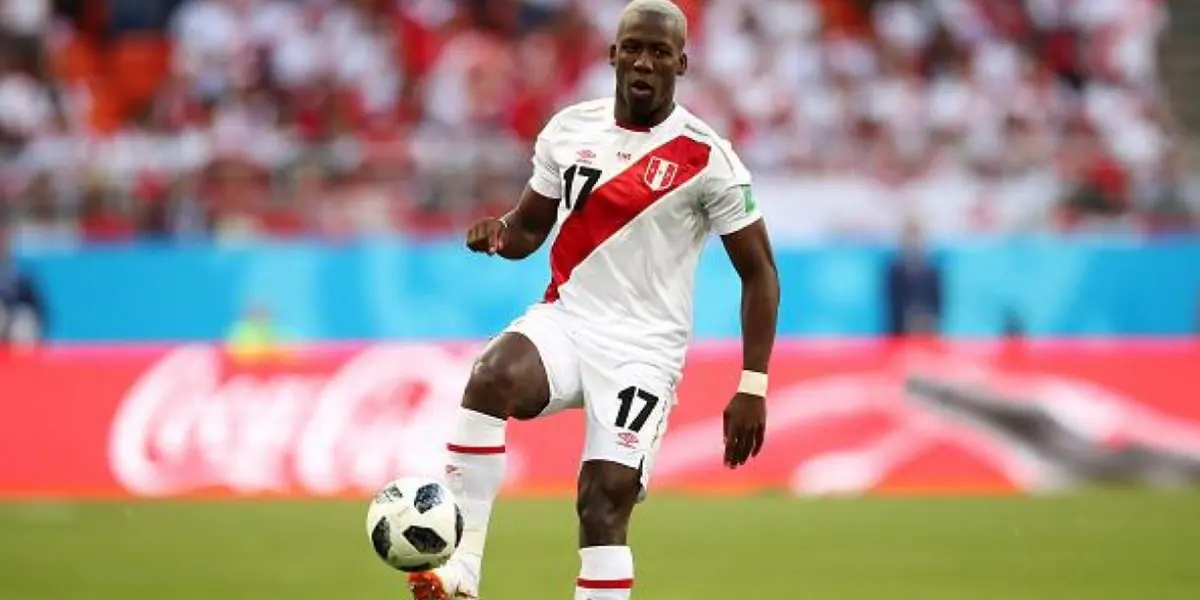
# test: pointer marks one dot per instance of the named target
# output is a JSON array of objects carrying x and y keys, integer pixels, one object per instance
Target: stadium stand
[{"x": 250, "y": 118}]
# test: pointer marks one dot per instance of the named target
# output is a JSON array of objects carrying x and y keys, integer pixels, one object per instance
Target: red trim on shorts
[
  {"x": 618, "y": 202},
  {"x": 604, "y": 584},
  {"x": 475, "y": 449}
]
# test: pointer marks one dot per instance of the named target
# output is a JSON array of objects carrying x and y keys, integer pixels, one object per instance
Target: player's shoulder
[
  {"x": 722, "y": 149},
  {"x": 589, "y": 113},
  {"x": 699, "y": 129}
]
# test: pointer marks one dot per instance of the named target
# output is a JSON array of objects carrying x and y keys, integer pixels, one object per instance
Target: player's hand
[
  {"x": 487, "y": 235},
  {"x": 745, "y": 426}
]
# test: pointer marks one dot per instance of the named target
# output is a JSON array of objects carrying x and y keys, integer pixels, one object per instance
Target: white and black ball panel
[
  {"x": 391, "y": 493},
  {"x": 425, "y": 540},
  {"x": 414, "y": 524},
  {"x": 381, "y": 538},
  {"x": 428, "y": 496}
]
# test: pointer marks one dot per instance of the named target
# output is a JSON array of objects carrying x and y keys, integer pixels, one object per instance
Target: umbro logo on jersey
[
  {"x": 660, "y": 174},
  {"x": 628, "y": 439},
  {"x": 585, "y": 155}
]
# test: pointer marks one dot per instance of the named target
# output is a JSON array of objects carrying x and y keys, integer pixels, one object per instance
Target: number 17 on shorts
[{"x": 626, "y": 415}]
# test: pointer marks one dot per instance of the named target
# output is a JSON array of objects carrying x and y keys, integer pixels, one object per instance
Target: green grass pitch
[{"x": 1093, "y": 546}]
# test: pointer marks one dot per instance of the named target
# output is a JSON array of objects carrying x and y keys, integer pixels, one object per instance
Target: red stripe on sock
[
  {"x": 604, "y": 584},
  {"x": 475, "y": 449}
]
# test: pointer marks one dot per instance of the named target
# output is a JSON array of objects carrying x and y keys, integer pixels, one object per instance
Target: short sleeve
[
  {"x": 729, "y": 198},
  {"x": 546, "y": 179}
]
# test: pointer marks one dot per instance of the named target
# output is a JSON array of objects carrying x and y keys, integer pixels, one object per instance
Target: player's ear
[
  {"x": 683, "y": 65},
  {"x": 612, "y": 55}
]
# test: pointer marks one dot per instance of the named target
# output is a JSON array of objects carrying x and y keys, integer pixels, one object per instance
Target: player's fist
[
  {"x": 487, "y": 235},
  {"x": 745, "y": 426}
]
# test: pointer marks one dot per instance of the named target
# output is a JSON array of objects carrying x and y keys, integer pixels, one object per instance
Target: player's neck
[{"x": 626, "y": 119}]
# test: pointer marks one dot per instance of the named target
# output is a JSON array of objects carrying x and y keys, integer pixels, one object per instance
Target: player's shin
[
  {"x": 475, "y": 473},
  {"x": 606, "y": 573}
]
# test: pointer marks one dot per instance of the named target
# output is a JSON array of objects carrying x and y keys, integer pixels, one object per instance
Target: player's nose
[{"x": 643, "y": 63}]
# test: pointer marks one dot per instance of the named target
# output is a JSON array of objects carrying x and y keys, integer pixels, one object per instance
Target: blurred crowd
[{"x": 342, "y": 118}]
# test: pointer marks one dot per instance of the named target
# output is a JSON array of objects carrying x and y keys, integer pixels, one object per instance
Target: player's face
[{"x": 648, "y": 56}]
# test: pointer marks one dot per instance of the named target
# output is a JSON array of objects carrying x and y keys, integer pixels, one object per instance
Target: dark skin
[{"x": 509, "y": 379}]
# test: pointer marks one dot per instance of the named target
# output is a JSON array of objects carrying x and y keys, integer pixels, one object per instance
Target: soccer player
[{"x": 636, "y": 183}]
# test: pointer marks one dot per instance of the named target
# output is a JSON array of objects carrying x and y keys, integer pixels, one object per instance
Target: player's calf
[{"x": 607, "y": 494}]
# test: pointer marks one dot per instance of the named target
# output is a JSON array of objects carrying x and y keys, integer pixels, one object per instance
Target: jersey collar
[{"x": 643, "y": 129}]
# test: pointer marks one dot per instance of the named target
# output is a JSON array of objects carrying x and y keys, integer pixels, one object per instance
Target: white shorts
[{"x": 627, "y": 403}]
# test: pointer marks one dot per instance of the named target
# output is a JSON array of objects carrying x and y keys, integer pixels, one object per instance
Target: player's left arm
[
  {"x": 749, "y": 250},
  {"x": 734, "y": 215}
]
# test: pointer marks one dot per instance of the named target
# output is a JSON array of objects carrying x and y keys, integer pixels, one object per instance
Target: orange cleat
[{"x": 428, "y": 585}]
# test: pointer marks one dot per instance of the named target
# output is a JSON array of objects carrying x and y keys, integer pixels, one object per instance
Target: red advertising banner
[{"x": 844, "y": 418}]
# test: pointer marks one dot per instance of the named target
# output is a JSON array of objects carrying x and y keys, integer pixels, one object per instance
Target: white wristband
[{"x": 753, "y": 383}]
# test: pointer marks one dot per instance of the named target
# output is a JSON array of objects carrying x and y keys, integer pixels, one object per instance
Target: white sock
[
  {"x": 475, "y": 473},
  {"x": 606, "y": 573}
]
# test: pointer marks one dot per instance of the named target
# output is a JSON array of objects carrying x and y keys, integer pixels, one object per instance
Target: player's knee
[
  {"x": 607, "y": 495},
  {"x": 508, "y": 380},
  {"x": 493, "y": 387}
]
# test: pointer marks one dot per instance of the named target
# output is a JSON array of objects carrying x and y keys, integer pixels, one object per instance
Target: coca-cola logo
[
  {"x": 351, "y": 421},
  {"x": 188, "y": 425}
]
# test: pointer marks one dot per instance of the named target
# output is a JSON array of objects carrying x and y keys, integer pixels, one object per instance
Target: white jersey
[{"x": 637, "y": 206}]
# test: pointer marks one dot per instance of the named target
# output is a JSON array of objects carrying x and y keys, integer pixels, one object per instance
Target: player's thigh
[
  {"x": 627, "y": 409},
  {"x": 551, "y": 360}
]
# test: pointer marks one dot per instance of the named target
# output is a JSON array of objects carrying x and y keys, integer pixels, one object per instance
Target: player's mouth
[{"x": 641, "y": 90}]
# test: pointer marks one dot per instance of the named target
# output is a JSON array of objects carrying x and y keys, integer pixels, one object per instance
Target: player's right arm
[
  {"x": 520, "y": 232},
  {"x": 525, "y": 228}
]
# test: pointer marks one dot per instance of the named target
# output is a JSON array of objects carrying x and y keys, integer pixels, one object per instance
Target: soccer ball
[{"x": 414, "y": 524}]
